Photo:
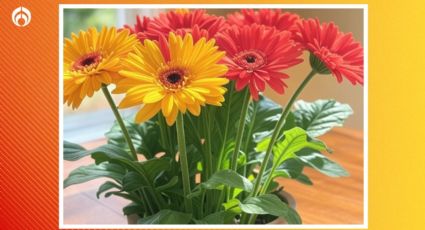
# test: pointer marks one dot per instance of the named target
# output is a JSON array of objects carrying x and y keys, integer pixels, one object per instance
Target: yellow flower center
[{"x": 87, "y": 61}]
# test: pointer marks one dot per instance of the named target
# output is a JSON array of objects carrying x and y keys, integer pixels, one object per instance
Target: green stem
[
  {"x": 148, "y": 203},
  {"x": 251, "y": 126},
  {"x": 239, "y": 134},
  {"x": 239, "y": 137},
  {"x": 208, "y": 161},
  {"x": 208, "y": 155},
  {"x": 224, "y": 191},
  {"x": 276, "y": 133},
  {"x": 226, "y": 127},
  {"x": 249, "y": 136},
  {"x": 277, "y": 130},
  {"x": 183, "y": 162},
  {"x": 119, "y": 120}
]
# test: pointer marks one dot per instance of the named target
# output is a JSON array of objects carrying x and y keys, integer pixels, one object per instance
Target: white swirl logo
[{"x": 21, "y": 16}]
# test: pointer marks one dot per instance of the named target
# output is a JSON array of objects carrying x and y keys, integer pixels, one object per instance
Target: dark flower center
[
  {"x": 172, "y": 78},
  {"x": 250, "y": 60},
  {"x": 87, "y": 61}
]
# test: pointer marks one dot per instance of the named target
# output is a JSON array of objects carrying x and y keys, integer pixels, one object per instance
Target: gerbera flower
[
  {"x": 268, "y": 17},
  {"x": 91, "y": 59},
  {"x": 331, "y": 50},
  {"x": 140, "y": 28},
  {"x": 173, "y": 76},
  {"x": 180, "y": 21},
  {"x": 256, "y": 55}
]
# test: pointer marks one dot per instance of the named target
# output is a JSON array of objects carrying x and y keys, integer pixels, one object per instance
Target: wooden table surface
[{"x": 328, "y": 201}]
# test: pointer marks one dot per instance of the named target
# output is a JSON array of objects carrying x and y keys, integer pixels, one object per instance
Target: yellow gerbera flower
[
  {"x": 172, "y": 76},
  {"x": 91, "y": 59}
]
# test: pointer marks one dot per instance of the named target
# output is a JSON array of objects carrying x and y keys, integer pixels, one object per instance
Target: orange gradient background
[{"x": 29, "y": 116}]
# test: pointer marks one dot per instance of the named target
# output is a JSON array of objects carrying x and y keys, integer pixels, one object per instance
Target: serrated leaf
[
  {"x": 91, "y": 172},
  {"x": 320, "y": 116},
  {"x": 270, "y": 204},
  {"x": 167, "y": 216}
]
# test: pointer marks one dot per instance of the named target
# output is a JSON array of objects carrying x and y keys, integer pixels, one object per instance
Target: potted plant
[{"x": 206, "y": 145}]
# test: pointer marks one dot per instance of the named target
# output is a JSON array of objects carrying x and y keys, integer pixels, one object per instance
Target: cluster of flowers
[{"x": 182, "y": 60}]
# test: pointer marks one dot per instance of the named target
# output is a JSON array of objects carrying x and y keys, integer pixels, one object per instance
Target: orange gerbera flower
[{"x": 91, "y": 59}]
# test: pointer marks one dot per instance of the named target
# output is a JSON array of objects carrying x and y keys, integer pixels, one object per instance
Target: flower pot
[
  {"x": 286, "y": 197},
  {"x": 132, "y": 219}
]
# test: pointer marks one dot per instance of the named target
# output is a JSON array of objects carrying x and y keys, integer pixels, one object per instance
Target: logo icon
[{"x": 21, "y": 16}]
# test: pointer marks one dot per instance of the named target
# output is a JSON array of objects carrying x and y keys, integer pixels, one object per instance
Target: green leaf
[
  {"x": 108, "y": 151},
  {"x": 221, "y": 217},
  {"x": 105, "y": 187},
  {"x": 167, "y": 216},
  {"x": 148, "y": 170},
  {"x": 320, "y": 116},
  {"x": 154, "y": 167},
  {"x": 229, "y": 178},
  {"x": 131, "y": 181},
  {"x": 321, "y": 163},
  {"x": 291, "y": 168},
  {"x": 73, "y": 152},
  {"x": 304, "y": 179},
  {"x": 270, "y": 204},
  {"x": 123, "y": 195},
  {"x": 174, "y": 180},
  {"x": 294, "y": 140},
  {"x": 232, "y": 204},
  {"x": 91, "y": 172},
  {"x": 145, "y": 137}
]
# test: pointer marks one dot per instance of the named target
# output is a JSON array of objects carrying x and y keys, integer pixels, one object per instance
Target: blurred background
[{"x": 94, "y": 117}]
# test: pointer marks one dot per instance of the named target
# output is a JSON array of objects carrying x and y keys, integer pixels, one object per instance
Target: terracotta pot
[{"x": 132, "y": 219}]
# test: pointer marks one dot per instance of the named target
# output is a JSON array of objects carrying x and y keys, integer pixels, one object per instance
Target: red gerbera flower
[
  {"x": 268, "y": 17},
  {"x": 140, "y": 27},
  {"x": 197, "y": 22},
  {"x": 337, "y": 52},
  {"x": 255, "y": 56}
]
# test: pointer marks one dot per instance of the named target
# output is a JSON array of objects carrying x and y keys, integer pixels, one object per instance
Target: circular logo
[{"x": 21, "y": 16}]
